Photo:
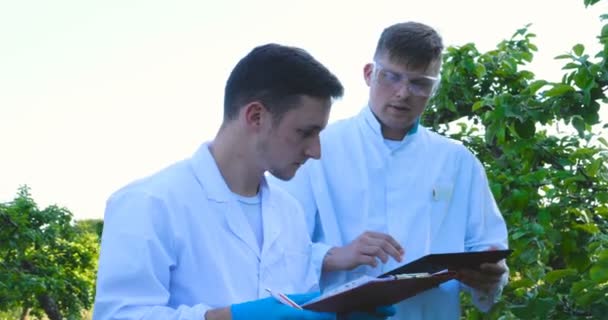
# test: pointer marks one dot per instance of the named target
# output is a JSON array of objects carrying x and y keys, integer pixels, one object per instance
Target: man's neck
[
  {"x": 399, "y": 134},
  {"x": 395, "y": 134},
  {"x": 235, "y": 164}
]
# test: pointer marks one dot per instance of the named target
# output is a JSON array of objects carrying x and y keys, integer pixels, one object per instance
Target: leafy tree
[
  {"x": 47, "y": 264},
  {"x": 551, "y": 184},
  {"x": 93, "y": 226}
]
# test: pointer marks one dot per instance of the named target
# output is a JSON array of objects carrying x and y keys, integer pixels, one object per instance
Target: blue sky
[{"x": 94, "y": 94}]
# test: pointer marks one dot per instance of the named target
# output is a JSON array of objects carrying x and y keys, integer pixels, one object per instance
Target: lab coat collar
[
  {"x": 371, "y": 120},
  {"x": 370, "y": 123},
  {"x": 209, "y": 176}
]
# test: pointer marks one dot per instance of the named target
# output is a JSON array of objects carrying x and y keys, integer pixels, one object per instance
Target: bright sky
[{"x": 94, "y": 94}]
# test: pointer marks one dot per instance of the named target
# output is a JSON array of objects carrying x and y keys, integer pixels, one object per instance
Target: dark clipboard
[{"x": 436, "y": 262}]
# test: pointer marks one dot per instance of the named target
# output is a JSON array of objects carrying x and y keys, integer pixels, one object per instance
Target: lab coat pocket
[
  {"x": 441, "y": 195},
  {"x": 299, "y": 272},
  {"x": 442, "y": 191},
  {"x": 440, "y": 203}
]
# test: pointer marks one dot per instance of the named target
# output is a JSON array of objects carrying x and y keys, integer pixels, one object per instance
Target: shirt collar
[{"x": 375, "y": 125}]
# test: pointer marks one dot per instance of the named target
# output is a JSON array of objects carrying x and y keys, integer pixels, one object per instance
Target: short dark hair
[
  {"x": 412, "y": 43},
  {"x": 277, "y": 76}
]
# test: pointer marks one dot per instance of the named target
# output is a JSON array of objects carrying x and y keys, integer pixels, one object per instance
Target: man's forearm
[
  {"x": 219, "y": 314},
  {"x": 330, "y": 262}
]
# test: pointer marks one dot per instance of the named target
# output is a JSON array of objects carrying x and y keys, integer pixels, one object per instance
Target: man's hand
[
  {"x": 366, "y": 249},
  {"x": 487, "y": 279}
]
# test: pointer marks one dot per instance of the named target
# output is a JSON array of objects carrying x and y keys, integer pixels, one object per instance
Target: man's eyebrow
[{"x": 312, "y": 127}]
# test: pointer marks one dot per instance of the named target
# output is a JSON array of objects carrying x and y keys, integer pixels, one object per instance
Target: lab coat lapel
[
  {"x": 240, "y": 227},
  {"x": 271, "y": 218},
  {"x": 210, "y": 178}
]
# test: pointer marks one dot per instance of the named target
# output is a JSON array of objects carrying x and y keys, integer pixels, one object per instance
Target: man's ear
[
  {"x": 253, "y": 114},
  {"x": 368, "y": 71}
]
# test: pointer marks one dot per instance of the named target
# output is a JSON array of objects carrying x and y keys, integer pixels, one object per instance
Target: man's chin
[{"x": 283, "y": 174}]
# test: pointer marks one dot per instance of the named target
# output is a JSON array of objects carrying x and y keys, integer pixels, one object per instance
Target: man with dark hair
[
  {"x": 405, "y": 189},
  {"x": 205, "y": 237}
]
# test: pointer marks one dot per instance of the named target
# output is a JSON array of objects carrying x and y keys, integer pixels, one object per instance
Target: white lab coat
[
  {"x": 430, "y": 193},
  {"x": 177, "y": 244}
]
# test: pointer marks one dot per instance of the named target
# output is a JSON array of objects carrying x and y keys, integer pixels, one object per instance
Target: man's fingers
[
  {"x": 493, "y": 268},
  {"x": 375, "y": 251},
  {"x": 484, "y": 287},
  {"x": 368, "y": 260},
  {"x": 368, "y": 248},
  {"x": 479, "y": 280},
  {"x": 385, "y": 242},
  {"x": 380, "y": 249},
  {"x": 480, "y": 275},
  {"x": 477, "y": 283},
  {"x": 387, "y": 238},
  {"x": 393, "y": 251}
]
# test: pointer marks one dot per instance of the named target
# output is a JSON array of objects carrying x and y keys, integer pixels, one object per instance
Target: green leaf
[
  {"x": 599, "y": 273},
  {"x": 536, "y": 85},
  {"x": 579, "y": 287},
  {"x": 520, "y": 31},
  {"x": 480, "y": 70},
  {"x": 583, "y": 78},
  {"x": 520, "y": 311},
  {"x": 544, "y": 217},
  {"x": 578, "y": 49},
  {"x": 542, "y": 306},
  {"x": 602, "y": 259},
  {"x": 563, "y": 56},
  {"x": 525, "y": 129},
  {"x": 537, "y": 229},
  {"x": 521, "y": 283},
  {"x": 588, "y": 227},
  {"x": 490, "y": 132},
  {"x": 500, "y": 133},
  {"x": 558, "y": 89},
  {"x": 593, "y": 168},
  {"x": 579, "y": 124},
  {"x": 527, "y": 56},
  {"x": 552, "y": 276},
  {"x": 529, "y": 256},
  {"x": 450, "y": 106},
  {"x": 518, "y": 234},
  {"x": 477, "y": 105},
  {"x": 571, "y": 65}
]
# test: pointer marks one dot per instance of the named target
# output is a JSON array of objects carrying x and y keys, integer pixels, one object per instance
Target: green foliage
[
  {"x": 551, "y": 186},
  {"x": 93, "y": 226},
  {"x": 47, "y": 264}
]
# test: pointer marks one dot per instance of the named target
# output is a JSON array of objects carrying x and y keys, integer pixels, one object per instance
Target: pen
[{"x": 283, "y": 299}]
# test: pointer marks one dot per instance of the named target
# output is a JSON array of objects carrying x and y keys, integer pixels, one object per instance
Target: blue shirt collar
[{"x": 373, "y": 122}]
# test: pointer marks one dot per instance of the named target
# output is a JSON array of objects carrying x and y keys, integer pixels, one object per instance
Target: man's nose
[
  {"x": 403, "y": 89},
  {"x": 314, "y": 148}
]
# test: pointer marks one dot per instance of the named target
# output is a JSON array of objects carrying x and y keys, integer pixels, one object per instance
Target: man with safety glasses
[{"x": 388, "y": 191}]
